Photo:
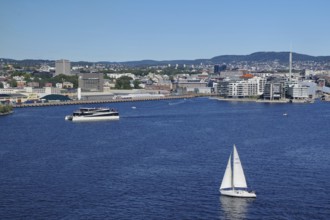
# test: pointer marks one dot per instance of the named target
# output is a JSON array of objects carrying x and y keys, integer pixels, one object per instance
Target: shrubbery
[{"x": 5, "y": 108}]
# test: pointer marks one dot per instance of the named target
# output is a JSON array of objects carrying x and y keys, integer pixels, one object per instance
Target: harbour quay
[{"x": 80, "y": 102}]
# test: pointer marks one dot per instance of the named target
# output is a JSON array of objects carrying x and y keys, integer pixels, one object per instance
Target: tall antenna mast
[{"x": 290, "y": 64}]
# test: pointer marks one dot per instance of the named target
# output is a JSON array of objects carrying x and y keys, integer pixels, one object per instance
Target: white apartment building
[
  {"x": 118, "y": 75},
  {"x": 244, "y": 88},
  {"x": 297, "y": 91}
]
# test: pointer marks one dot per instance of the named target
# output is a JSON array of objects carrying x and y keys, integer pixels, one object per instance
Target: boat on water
[
  {"x": 234, "y": 182},
  {"x": 93, "y": 114}
]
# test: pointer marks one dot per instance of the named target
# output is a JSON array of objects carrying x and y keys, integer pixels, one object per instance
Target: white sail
[
  {"x": 238, "y": 173},
  {"x": 227, "y": 178}
]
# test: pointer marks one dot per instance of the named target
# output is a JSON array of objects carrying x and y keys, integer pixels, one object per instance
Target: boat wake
[{"x": 177, "y": 103}]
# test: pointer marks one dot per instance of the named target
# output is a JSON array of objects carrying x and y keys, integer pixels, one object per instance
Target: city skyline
[{"x": 160, "y": 30}]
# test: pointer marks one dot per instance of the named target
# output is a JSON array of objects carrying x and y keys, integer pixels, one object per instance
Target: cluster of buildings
[
  {"x": 219, "y": 80},
  {"x": 241, "y": 84}
]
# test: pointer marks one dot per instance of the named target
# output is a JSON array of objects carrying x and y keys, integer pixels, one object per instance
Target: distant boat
[
  {"x": 234, "y": 182},
  {"x": 285, "y": 114},
  {"x": 133, "y": 107}
]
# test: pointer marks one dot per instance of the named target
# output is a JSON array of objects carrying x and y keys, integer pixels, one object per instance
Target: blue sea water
[{"x": 165, "y": 160}]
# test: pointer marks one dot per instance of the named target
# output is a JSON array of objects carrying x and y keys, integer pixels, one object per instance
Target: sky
[{"x": 131, "y": 30}]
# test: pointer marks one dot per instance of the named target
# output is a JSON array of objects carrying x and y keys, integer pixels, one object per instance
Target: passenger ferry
[{"x": 93, "y": 114}]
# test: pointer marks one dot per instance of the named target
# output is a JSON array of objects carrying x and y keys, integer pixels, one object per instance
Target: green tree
[
  {"x": 136, "y": 84},
  {"x": 1, "y": 85},
  {"x": 13, "y": 83},
  {"x": 5, "y": 108},
  {"x": 64, "y": 78},
  {"x": 27, "y": 77},
  {"x": 123, "y": 82}
]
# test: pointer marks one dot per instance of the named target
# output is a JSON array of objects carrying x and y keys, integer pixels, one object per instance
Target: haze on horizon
[{"x": 124, "y": 30}]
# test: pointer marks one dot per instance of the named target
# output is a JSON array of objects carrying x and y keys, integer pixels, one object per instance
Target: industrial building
[{"x": 91, "y": 82}]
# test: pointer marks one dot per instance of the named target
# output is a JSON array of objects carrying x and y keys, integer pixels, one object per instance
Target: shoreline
[
  {"x": 252, "y": 100},
  {"x": 81, "y": 102},
  {"x": 76, "y": 102}
]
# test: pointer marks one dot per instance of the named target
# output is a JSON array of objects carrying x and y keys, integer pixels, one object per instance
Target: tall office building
[
  {"x": 218, "y": 68},
  {"x": 62, "y": 67}
]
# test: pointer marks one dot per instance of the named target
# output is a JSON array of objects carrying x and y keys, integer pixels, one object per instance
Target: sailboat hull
[{"x": 238, "y": 193}]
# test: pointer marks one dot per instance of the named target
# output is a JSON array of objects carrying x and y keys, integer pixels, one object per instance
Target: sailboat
[{"x": 234, "y": 182}]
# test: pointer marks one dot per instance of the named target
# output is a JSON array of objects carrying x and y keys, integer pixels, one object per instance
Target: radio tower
[{"x": 290, "y": 65}]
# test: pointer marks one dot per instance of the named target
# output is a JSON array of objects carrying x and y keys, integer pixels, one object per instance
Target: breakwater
[{"x": 81, "y": 102}]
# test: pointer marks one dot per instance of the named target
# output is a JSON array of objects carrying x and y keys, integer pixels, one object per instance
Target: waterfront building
[
  {"x": 233, "y": 89},
  {"x": 11, "y": 90},
  {"x": 12, "y": 98},
  {"x": 274, "y": 90},
  {"x": 236, "y": 90},
  {"x": 91, "y": 82},
  {"x": 223, "y": 87},
  {"x": 62, "y": 67},
  {"x": 190, "y": 85},
  {"x": 259, "y": 84},
  {"x": 241, "y": 88},
  {"x": 297, "y": 91},
  {"x": 160, "y": 85},
  {"x": 28, "y": 94},
  {"x": 43, "y": 91}
]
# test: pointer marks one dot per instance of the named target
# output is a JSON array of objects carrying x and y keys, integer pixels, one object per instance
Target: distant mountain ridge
[{"x": 281, "y": 57}]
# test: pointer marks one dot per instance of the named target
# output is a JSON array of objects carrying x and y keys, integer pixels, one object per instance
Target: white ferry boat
[{"x": 93, "y": 114}]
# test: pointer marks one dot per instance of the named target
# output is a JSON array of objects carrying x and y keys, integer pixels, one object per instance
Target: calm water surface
[{"x": 165, "y": 160}]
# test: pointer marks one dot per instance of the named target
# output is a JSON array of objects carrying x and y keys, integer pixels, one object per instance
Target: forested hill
[{"x": 281, "y": 57}]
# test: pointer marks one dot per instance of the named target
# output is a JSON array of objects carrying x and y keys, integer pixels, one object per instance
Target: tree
[
  {"x": 27, "y": 77},
  {"x": 1, "y": 85},
  {"x": 13, "y": 83},
  {"x": 5, "y": 108},
  {"x": 123, "y": 82},
  {"x": 136, "y": 84},
  {"x": 65, "y": 78}
]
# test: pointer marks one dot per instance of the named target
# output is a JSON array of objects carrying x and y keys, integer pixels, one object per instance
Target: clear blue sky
[{"x": 126, "y": 30}]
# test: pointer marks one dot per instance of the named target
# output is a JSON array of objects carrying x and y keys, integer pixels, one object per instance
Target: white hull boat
[
  {"x": 93, "y": 114},
  {"x": 234, "y": 182},
  {"x": 238, "y": 193}
]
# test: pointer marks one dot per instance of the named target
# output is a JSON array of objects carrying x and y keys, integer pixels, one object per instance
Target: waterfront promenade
[
  {"x": 211, "y": 96},
  {"x": 251, "y": 100},
  {"x": 80, "y": 102}
]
